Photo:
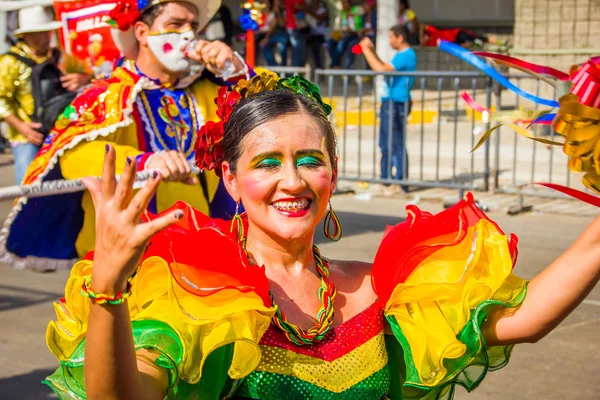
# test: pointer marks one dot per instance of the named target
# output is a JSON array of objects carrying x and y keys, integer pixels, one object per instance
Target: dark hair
[
  {"x": 404, "y": 3},
  {"x": 150, "y": 14},
  {"x": 401, "y": 30},
  {"x": 266, "y": 106}
]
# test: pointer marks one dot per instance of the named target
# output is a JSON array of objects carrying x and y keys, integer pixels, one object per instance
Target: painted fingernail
[
  {"x": 155, "y": 175},
  {"x": 179, "y": 214},
  {"x": 106, "y": 149},
  {"x": 128, "y": 161}
]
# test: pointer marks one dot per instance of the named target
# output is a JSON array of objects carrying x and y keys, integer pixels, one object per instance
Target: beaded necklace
[{"x": 327, "y": 293}]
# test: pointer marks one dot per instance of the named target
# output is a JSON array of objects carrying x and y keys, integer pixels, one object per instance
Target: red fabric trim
[
  {"x": 140, "y": 129},
  {"x": 142, "y": 159}
]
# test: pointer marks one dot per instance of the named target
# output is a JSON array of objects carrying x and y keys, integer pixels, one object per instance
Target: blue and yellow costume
[{"x": 138, "y": 117}]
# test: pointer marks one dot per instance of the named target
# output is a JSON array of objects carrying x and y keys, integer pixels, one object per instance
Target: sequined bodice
[{"x": 350, "y": 363}]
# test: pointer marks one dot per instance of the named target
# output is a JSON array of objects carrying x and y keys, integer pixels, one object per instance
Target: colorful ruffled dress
[{"x": 206, "y": 311}]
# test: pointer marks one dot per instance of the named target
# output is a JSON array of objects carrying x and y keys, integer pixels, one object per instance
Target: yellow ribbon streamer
[{"x": 580, "y": 126}]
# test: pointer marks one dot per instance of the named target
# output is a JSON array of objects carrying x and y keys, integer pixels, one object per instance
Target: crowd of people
[{"x": 310, "y": 30}]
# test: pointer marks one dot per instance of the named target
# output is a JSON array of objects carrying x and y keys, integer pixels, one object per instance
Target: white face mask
[{"x": 168, "y": 48}]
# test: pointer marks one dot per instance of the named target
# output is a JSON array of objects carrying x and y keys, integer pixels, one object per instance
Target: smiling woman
[
  {"x": 187, "y": 307},
  {"x": 279, "y": 176}
]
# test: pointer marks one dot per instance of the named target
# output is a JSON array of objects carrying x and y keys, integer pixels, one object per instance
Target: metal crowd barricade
[
  {"x": 520, "y": 162},
  {"x": 289, "y": 71},
  {"x": 439, "y": 132}
]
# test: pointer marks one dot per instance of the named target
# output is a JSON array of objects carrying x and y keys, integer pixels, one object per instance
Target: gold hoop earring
[
  {"x": 237, "y": 225},
  {"x": 330, "y": 222}
]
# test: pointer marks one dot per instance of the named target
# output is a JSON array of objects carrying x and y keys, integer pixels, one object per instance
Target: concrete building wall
[
  {"x": 557, "y": 33},
  {"x": 465, "y": 13}
]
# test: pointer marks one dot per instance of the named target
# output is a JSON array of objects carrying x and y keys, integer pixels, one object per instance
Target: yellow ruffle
[
  {"x": 436, "y": 302},
  {"x": 203, "y": 324}
]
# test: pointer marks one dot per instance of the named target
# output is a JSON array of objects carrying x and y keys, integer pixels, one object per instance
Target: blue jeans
[
  {"x": 337, "y": 49},
  {"x": 398, "y": 150},
  {"x": 298, "y": 41},
  {"x": 278, "y": 40},
  {"x": 24, "y": 154}
]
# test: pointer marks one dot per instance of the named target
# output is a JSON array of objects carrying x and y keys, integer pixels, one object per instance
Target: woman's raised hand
[{"x": 121, "y": 236}]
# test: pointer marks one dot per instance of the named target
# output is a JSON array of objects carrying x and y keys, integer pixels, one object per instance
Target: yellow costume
[
  {"x": 138, "y": 117},
  {"x": 15, "y": 88}
]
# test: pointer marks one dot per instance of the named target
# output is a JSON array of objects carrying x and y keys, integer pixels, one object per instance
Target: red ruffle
[
  {"x": 204, "y": 257},
  {"x": 407, "y": 244}
]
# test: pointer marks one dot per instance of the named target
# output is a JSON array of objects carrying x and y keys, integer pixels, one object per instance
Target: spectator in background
[
  {"x": 318, "y": 21},
  {"x": 409, "y": 18},
  {"x": 220, "y": 27},
  {"x": 432, "y": 36},
  {"x": 395, "y": 101},
  {"x": 36, "y": 27},
  {"x": 298, "y": 30},
  {"x": 370, "y": 27},
  {"x": 350, "y": 23},
  {"x": 273, "y": 35}
]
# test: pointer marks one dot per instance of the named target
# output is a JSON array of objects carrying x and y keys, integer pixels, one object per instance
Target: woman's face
[{"x": 284, "y": 177}]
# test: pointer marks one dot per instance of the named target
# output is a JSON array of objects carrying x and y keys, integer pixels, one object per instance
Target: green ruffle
[
  {"x": 68, "y": 380},
  {"x": 467, "y": 371}
]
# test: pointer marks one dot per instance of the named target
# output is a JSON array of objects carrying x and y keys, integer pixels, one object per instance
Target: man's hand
[
  {"x": 214, "y": 55},
  {"x": 73, "y": 82},
  {"x": 263, "y": 43},
  {"x": 367, "y": 44},
  {"x": 173, "y": 166},
  {"x": 28, "y": 129}
]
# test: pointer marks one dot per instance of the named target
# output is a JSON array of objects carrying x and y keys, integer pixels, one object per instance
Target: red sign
[{"x": 85, "y": 33}]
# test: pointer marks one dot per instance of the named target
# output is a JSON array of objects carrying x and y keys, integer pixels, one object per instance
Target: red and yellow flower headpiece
[
  {"x": 126, "y": 13},
  {"x": 208, "y": 148}
]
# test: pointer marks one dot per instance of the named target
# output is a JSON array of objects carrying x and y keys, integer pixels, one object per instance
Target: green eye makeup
[
  {"x": 268, "y": 162},
  {"x": 304, "y": 159},
  {"x": 310, "y": 161}
]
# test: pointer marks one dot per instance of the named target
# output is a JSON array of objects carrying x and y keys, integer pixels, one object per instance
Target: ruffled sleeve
[
  {"x": 438, "y": 277},
  {"x": 196, "y": 302}
]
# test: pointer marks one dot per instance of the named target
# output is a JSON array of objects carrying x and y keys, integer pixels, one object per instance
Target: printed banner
[{"x": 85, "y": 33}]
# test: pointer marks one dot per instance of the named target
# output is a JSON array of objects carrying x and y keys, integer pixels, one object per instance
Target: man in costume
[{"x": 149, "y": 109}]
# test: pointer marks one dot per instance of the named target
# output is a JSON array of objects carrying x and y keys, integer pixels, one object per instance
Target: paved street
[{"x": 564, "y": 365}]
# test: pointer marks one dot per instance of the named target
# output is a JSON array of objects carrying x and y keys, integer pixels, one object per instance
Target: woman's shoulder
[
  {"x": 353, "y": 279},
  {"x": 351, "y": 268}
]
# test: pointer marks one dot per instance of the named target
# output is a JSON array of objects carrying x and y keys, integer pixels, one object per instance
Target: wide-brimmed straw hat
[
  {"x": 126, "y": 41},
  {"x": 35, "y": 19}
]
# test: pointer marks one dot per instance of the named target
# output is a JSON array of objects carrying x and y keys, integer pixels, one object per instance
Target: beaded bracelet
[{"x": 99, "y": 298}]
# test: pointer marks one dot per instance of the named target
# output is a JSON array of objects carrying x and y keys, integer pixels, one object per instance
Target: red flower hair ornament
[
  {"x": 208, "y": 148},
  {"x": 125, "y": 14}
]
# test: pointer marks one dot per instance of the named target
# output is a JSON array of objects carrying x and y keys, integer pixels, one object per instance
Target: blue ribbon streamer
[
  {"x": 478, "y": 63},
  {"x": 544, "y": 118}
]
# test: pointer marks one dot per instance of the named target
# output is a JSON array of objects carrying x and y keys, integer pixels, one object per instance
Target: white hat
[
  {"x": 35, "y": 19},
  {"x": 126, "y": 41}
]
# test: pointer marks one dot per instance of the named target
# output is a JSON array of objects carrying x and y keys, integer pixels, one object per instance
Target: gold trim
[{"x": 168, "y": 31}]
